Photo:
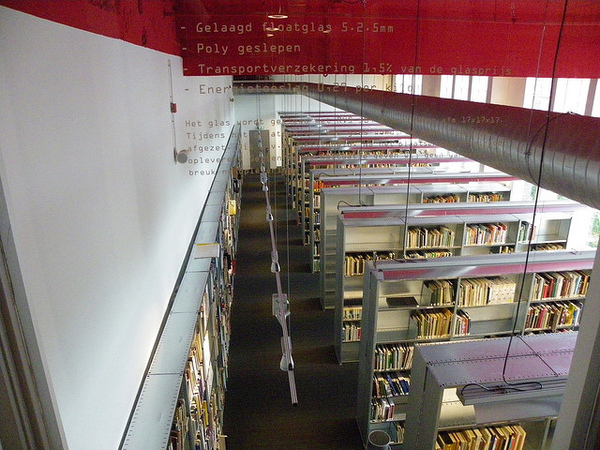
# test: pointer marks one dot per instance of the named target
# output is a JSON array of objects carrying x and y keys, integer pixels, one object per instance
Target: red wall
[
  {"x": 469, "y": 37},
  {"x": 148, "y": 23}
]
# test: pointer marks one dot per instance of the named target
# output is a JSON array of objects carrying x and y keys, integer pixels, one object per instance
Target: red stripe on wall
[{"x": 148, "y": 23}]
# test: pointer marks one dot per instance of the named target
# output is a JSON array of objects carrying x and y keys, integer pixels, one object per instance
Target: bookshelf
[
  {"x": 382, "y": 201},
  {"x": 352, "y": 156},
  {"x": 452, "y": 402},
  {"x": 360, "y": 240},
  {"x": 181, "y": 399},
  {"x": 407, "y": 304},
  {"x": 389, "y": 177}
]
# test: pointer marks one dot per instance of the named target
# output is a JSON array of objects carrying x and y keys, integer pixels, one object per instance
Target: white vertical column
[{"x": 578, "y": 422}]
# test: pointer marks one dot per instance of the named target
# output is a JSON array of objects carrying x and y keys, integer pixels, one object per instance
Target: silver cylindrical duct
[{"x": 559, "y": 152}]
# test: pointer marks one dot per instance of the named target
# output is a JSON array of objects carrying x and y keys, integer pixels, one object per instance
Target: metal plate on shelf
[
  {"x": 207, "y": 232},
  {"x": 486, "y": 371},
  {"x": 533, "y": 408},
  {"x": 212, "y": 212},
  {"x": 189, "y": 294},
  {"x": 552, "y": 342},
  {"x": 151, "y": 422},
  {"x": 174, "y": 344},
  {"x": 494, "y": 348},
  {"x": 196, "y": 265},
  {"x": 215, "y": 198}
]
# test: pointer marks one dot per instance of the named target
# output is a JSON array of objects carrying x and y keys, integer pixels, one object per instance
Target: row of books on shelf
[
  {"x": 352, "y": 313},
  {"x": 486, "y": 291},
  {"x": 190, "y": 421},
  {"x": 482, "y": 197},
  {"x": 352, "y": 332},
  {"x": 447, "y": 198},
  {"x": 550, "y": 316},
  {"x": 432, "y": 324},
  {"x": 428, "y": 254},
  {"x": 390, "y": 384},
  {"x": 548, "y": 247},
  {"x": 382, "y": 409},
  {"x": 355, "y": 264},
  {"x": 462, "y": 324},
  {"x": 422, "y": 237},
  {"x": 473, "y": 198},
  {"x": 486, "y": 234},
  {"x": 441, "y": 292},
  {"x": 393, "y": 357},
  {"x": 560, "y": 284},
  {"x": 505, "y": 437},
  {"x": 526, "y": 232}
]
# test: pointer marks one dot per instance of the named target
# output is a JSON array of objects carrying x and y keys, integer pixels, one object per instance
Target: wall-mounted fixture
[{"x": 182, "y": 156}]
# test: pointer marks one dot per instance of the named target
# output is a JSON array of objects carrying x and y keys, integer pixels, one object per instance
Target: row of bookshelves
[
  {"x": 553, "y": 222},
  {"x": 386, "y": 237},
  {"x": 181, "y": 402},
  {"x": 488, "y": 271},
  {"x": 308, "y": 164},
  {"x": 386, "y": 188},
  {"x": 401, "y": 307}
]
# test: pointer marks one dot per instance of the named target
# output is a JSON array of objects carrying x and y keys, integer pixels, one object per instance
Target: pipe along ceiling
[{"x": 556, "y": 151}]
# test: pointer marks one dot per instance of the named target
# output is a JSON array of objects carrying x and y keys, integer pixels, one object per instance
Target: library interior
[{"x": 300, "y": 224}]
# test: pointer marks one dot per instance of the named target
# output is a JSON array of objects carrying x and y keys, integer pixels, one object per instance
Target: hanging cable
[
  {"x": 281, "y": 305},
  {"x": 280, "y": 301},
  {"x": 539, "y": 180},
  {"x": 535, "y": 385},
  {"x": 412, "y": 118}
]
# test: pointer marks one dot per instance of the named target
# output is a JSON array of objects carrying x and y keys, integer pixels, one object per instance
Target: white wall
[{"x": 101, "y": 214}]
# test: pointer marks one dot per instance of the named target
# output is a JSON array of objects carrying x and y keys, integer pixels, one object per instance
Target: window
[
  {"x": 409, "y": 84},
  {"x": 479, "y": 89},
  {"x": 446, "y": 86},
  {"x": 461, "y": 87},
  {"x": 571, "y": 95},
  {"x": 537, "y": 93}
]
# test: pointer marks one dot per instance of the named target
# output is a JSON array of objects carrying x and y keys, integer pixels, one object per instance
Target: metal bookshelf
[
  {"x": 386, "y": 323},
  {"x": 198, "y": 306}
]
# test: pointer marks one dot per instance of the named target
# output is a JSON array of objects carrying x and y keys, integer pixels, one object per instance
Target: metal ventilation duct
[{"x": 518, "y": 141}]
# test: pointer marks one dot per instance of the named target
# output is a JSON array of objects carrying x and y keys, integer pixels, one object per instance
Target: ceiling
[
  {"x": 516, "y": 38},
  {"x": 500, "y": 37}
]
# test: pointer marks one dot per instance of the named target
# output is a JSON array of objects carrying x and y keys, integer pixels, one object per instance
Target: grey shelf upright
[{"x": 388, "y": 326}]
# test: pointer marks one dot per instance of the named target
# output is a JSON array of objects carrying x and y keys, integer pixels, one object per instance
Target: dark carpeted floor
[{"x": 258, "y": 409}]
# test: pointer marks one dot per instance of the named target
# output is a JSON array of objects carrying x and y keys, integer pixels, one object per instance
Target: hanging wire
[
  {"x": 412, "y": 118},
  {"x": 362, "y": 101},
  {"x": 530, "y": 385},
  {"x": 280, "y": 300},
  {"x": 539, "y": 175}
]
